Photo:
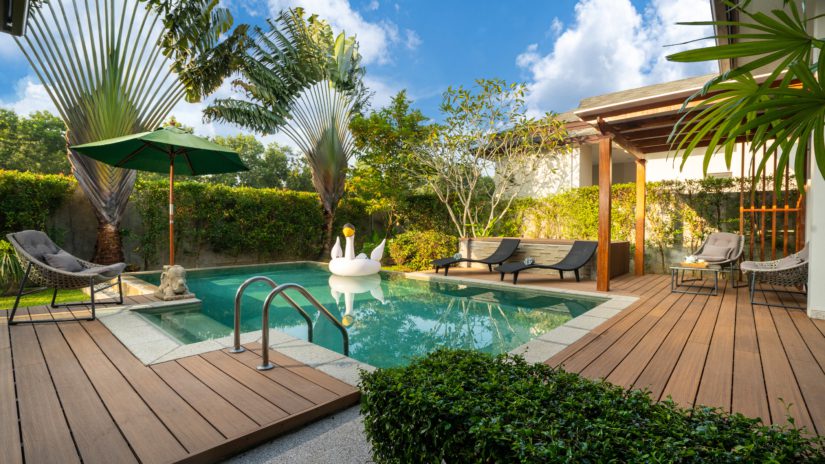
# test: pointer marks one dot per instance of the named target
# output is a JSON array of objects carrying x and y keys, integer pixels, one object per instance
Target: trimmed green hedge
[
  {"x": 415, "y": 250},
  {"x": 466, "y": 406},
  {"x": 29, "y": 201}
]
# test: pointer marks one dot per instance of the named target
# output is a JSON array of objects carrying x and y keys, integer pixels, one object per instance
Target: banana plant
[
  {"x": 299, "y": 78},
  {"x": 114, "y": 68},
  {"x": 780, "y": 113}
]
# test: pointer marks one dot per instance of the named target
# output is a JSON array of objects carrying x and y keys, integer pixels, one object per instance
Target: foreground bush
[
  {"x": 465, "y": 406},
  {"x": 415, "y": 250}
]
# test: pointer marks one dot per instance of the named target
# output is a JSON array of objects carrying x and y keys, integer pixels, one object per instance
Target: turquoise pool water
[{"x": 389, "y": 317}]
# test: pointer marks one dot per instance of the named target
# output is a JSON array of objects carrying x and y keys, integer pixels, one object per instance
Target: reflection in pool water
[{"x": 389, "y": 318}]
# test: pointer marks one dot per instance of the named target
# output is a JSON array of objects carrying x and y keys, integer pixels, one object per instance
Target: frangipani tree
[
  {"x": 300, "y": 78},
  {"x": 114, "y": 68},
  {"x": 782, "y": 112}
]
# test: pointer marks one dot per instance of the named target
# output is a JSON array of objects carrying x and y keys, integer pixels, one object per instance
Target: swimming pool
[{"x": 389, "y": 317}]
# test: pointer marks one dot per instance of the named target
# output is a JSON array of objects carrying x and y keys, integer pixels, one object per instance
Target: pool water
[{"x": 389, "y": 318}]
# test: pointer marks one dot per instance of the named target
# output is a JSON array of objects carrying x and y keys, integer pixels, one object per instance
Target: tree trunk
[
  {"x": 329, "y": 224},
  {"x": 109, "y": 246}
]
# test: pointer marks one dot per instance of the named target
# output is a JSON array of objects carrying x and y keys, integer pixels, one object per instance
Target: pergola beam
[
  {"x": 607, "y": 129},
  {"x": 605, "y": 194}
]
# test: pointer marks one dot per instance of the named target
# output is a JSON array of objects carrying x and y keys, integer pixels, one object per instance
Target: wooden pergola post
[
  {"x": 605, "y": 194},
  {"x": 641, "y": 199}
]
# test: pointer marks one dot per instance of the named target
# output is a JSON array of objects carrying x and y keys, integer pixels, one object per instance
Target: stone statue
[{"x": 173, "y": 284}]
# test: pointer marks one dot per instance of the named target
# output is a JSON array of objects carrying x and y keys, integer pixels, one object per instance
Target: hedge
[
  {"x": 466, "y": 406},
  {"x": 29, "y": 201},
  {"x": 415, "y": 250},
  {"x": 271, "y": 224}
]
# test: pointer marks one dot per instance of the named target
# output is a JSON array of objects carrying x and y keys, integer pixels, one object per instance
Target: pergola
[{"x": 639, "y": 124}]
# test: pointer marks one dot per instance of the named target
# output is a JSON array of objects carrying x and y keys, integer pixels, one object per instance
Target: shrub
[
  {"x": 29, "y": 201},
  {"x": 466, "y": 406},
  {"x": 414, "y": 250},
  {"x": 10, "y": 270}
]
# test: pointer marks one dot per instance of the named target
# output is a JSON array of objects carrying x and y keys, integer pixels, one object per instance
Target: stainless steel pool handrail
[
  {"x": 279, "y": 290},
  {"x": 237, "y": 348}
]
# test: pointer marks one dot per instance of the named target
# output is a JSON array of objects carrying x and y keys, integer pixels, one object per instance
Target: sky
[{"x": 563, "y": 50}]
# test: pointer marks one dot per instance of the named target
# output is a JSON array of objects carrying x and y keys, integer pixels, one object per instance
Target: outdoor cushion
[
  {"x": 715, "y": 253},
  {"x": 63, "y": 261},
  {"x": 36, "y": 243},
  {"x": 112, "y": 270}
]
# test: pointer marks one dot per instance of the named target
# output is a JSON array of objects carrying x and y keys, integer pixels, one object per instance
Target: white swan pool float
[
  {"x": 347, "y": 264},
  {"x": 351, "y": 286}
]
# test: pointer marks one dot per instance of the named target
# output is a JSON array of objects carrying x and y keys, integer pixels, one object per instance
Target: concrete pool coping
[{"x": 152, "y": 345}]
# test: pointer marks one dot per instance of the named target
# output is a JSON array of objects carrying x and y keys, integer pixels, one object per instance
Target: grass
[{"x": 43, "y": 298}]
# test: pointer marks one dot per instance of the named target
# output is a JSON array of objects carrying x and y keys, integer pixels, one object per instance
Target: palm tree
[
  {"x": 781, "y": 112},
  {"x": 116, "y": 68},
  {"x": 298, "y": 78}
]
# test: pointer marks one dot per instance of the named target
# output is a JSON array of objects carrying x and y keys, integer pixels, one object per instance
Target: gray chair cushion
[
  {"x": 63, "y": 261},
  {"x": 112, "y": 270},
  {"x": 36, "y": 243},
  {"x": 714, "y": 253}
]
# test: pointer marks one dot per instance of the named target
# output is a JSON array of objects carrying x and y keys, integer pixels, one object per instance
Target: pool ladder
[{"x": 276, "y": 291}]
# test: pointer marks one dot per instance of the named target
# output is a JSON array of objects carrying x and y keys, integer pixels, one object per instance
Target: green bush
[
  {"x": 29, "y": 201},
  {"x": 414, "y": 250},
  {"x": 10, "y": 270},
  {"x": 465, "y": 406}
]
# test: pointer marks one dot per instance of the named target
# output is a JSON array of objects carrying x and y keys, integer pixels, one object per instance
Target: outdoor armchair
[
  {"x": 579, "y": 254},
  {"x": 505, "y": 250},
  {"x": 790, "y": 271},
  {"x": 722, "y": 248},
  {"x": 48, "y": 266}
]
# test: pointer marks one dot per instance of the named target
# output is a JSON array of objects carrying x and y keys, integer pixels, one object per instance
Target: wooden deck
[
  {"x": 720, "y": 351},
  {"x": 71, "y": 392}
]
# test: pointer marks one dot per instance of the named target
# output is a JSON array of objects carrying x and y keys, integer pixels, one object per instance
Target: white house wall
[
  {"x": 556, "y": 172},
  {"x": 816, "y": 214}
]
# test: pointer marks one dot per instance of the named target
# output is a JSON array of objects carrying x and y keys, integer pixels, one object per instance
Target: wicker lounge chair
[
  {"x": 790, "y": 271},
  {"x": 506, "y": 249},
  {"x": 66, "y": 272},
  {"x": 579, "y": 254},
  {"x": 722, "y": 248}
]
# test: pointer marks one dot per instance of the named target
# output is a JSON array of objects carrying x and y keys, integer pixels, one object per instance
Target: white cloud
[
  {"x": 373, "y": 5},
  {"x": 382, "y": 90},
  {"x": 31, "y": 96},
  {"x": 374, "y": 38},
  {"x": 556, "y": 27},
  {"x": 412, "y": 40},
  {"x": 611, "y": 46}
]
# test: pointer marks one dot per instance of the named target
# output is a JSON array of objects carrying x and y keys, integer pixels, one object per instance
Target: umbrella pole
[{"x": 172, "y": 211}]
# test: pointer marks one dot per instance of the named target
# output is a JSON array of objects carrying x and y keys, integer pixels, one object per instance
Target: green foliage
[
  {"x": 485, "y": 130},
  {"x": 415, "y": 250},
  {"x": 385, "y": 173},
  {"x": 271, "y": 224},
  {"x": 28, "y": 201},
  {"x": 10, "y": 270},
  {"x": 466, "y": 406},
  {"x": 35, "y": 143},
  {"x": 268, "y": 167},
  {"x": 781, "y": 114}
]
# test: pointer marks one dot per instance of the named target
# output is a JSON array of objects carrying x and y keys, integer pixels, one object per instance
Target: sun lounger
[
  {"x": 506, "y": 249},
  {"x": 579, "y": 254}
]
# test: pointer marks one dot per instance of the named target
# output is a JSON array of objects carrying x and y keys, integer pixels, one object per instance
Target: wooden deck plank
[
  {"x": 748, "y": 394},
  {"x": 278, "y": 395},
  {"x": 10, "y": 450},
  {"x": 639, "y": 354},
  {"x": 717, "y": 376},
  {"x": 190, "y": 428},
  {"x": 228, "y": 419},
  {"x": 809, "y": 374},
  {"x": 251, "y": 403},
  {"x": 784, "y": 396},
  {"x": 97, "y": 436},
  {"x": 655, "y": 375},
  {"x": 304, "y": 387},
  {"x": 683, "y": 383},
  {"x": 313, "y": 375},
  {"x": 46, "y": 434},
  {"x": 147, "y": 435}
]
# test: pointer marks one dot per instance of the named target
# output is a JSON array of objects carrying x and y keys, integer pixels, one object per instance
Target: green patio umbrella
[{"x": 167, "y": 149}]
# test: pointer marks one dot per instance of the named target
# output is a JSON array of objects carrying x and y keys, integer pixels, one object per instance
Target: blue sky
[{"x": 564, "y": 50}]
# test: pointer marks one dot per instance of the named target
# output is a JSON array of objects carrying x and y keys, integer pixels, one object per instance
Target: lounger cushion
[
  {"x": 63, "y": 261},
  {"x": 714, "y": 253},
  {"x": 112, "y": 270},
  {"x": 36, "y": 243}
]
